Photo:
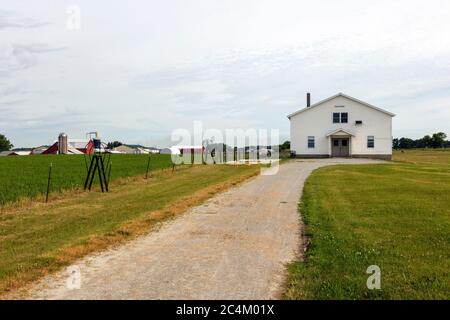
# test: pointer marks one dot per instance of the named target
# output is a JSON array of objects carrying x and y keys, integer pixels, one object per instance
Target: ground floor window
[
  {"x": 311, "y": 143},
  {"x": 370, "y": 141}
]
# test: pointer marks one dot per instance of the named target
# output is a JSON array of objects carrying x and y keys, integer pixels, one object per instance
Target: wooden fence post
[
  {"x": 148, "y": 166},
  {"x": 48, "y": 181}
]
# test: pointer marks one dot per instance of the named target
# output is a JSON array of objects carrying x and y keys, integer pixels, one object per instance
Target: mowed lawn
[
  {"x": 395, "y": 216},
  {"x": 37, "y": 238}
]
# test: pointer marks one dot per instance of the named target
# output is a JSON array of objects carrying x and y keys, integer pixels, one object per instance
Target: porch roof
[{"x": 339, "y": 132}]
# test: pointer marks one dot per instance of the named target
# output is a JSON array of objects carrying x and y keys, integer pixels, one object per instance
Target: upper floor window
[
  {"x": 311, "y": 142},
  {"x": 336, "y": 117},
  {"x": 370, "y": 141},
  {"x": 340, "y": 117}
]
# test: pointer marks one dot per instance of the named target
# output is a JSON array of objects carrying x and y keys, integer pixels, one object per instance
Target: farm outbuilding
[
  {"x": 15, "y": 153},
  {"x": 189, "y": 149},
  {"x": 74, "y": 146},
  {"x": 135, "y": 149},
  {"x": 39, "y": 150},
  {"x": 182, "y": 149},
  {"x": 171, "y": 150}
]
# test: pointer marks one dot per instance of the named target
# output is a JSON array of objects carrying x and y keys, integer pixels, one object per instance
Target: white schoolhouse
[{"x": 341, "y": 126}]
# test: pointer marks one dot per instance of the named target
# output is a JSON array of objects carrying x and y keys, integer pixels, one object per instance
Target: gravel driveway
[{"x": 234, "y": 246}]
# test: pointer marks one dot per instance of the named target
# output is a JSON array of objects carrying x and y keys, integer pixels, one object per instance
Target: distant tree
[
  {"x": 426, "y": 141},
  {"x": 419, "y": 143},
  {"x": 406, "y": 143},
  {"x": 5, "y": 144},
  {"x": 285, "y": 146},
  {"x": 114, "y": 144},
  {"x": 395, "y": 143},
  {"x": 438, "y": 140}
]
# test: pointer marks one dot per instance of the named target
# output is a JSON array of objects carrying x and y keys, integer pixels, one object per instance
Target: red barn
[{"x": 74, "y": 146}]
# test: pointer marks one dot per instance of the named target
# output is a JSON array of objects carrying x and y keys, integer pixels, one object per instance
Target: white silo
[{"x": 62, "y": 143}]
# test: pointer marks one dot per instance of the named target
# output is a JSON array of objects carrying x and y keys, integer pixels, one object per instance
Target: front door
[{"x": 340, "y": 147}]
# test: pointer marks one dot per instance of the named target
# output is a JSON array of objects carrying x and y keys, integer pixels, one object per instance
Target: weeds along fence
[{"x": 27, "y": 176}]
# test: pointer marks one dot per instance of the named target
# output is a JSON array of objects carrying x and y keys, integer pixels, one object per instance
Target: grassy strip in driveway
[
  {"x": 396, "y": 216},
  {"x": 39, "y": 238}
]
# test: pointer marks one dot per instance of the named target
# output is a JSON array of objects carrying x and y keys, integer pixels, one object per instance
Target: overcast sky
[{"x": 136, "y": 70}]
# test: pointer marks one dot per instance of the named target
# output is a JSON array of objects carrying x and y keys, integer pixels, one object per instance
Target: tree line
[{"x": 436, "y": 140}]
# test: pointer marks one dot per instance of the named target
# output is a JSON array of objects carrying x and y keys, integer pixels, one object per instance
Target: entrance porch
[{"x": 340, "y": 143}]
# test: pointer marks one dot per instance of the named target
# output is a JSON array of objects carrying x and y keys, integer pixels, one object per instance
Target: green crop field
[{"x": 26, "y": 177}]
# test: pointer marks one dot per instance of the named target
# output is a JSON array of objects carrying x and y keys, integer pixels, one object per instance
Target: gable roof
[
  {"x": 5, "y": 153},
  {"x": 19, "y": 153},
  {"x": 340, "y": 94}
]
